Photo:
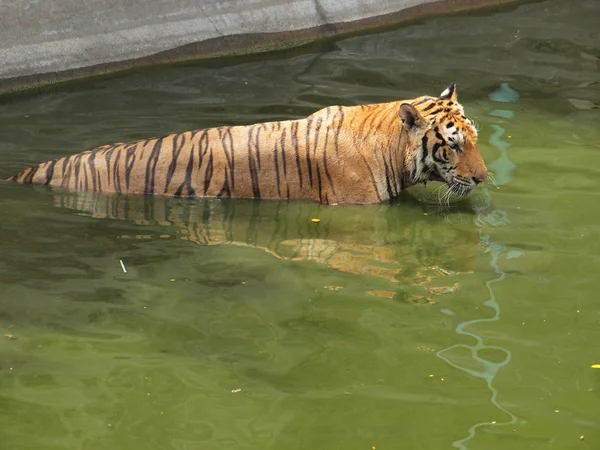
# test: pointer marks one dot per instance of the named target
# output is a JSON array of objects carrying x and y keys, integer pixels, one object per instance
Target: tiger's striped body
[{"x": 360, "y": 154}]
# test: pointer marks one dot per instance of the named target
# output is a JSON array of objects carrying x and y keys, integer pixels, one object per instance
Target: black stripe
[
  {"x": 257, "y": 146},
  {"x": 202, "y": 150},
  {"x": 317, "y": 130},
  {"x": 64, "y": 170},
  {"x": 276, "y": 163},
  {"x": 229, "y": 155},
  {"x": 107, "y": 157},
  {"x": 394, "y": 180},
  {"x": 77, "y": 170},
  {"x": 436, "y": 147},
  {"x": 85, "y": 178},
  {"x": 93, "y": 172},
  {"x": 325, "y": 160},
  {"x": 420, "y": 102},
  {"x": 295, "y": 145},
  {"x": 439, "y": 136},
  {"x": 175, "y": 154},
  {"x": 283, "y": 153},
  {"x": 307, "y": 149},
  {"x": 129, "y": 162},
  {"x": 225, "y": 188},
  {"x": 371, "y": 174},
  {"x": 188, "y": 178},
  {"x": 320, "y": 186},
  {"x": 67, "y": 169},
  {"x": 337, "y": 131},
  {"x": 117, "y": 175},
  {"x": 208, "y": 174},
  {"x": 29, "y": 177},
  {"x": 427, "y": 108},
  {"x": 387, "y": 180},
  {"x": 151, "y": 167},
  {"x": 252, "y": 166},
  {"x": 425, "y": 149},
  {"x": 50, "y": 172}
]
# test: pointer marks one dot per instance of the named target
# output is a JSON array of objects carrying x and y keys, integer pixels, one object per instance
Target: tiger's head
[{"x": 444, "y": 143}]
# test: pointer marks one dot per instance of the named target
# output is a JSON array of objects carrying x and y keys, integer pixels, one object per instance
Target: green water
[{"x": 167, "y": 324}]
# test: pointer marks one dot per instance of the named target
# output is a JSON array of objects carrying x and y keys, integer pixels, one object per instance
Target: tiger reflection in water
[{"x": 379, "y": 241}]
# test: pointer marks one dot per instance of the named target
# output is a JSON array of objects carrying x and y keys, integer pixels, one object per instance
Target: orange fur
[{"x": 359, "y": 154}]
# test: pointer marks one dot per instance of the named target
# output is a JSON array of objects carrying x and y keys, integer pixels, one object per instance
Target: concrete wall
[{"x": 45, "y": 41}]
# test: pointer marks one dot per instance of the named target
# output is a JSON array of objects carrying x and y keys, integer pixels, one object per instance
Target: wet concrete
[{"x": 43, "y": 42}]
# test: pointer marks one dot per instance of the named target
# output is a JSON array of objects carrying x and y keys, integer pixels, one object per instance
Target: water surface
[{"x": 131, "y": 323}]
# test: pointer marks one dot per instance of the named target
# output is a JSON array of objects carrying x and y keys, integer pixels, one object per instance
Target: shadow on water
[{"x": 401, "y": 243}]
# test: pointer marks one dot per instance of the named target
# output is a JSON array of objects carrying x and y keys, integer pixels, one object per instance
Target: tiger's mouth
[
  {"x": 435, "y": 176},
  {"x": 456, "y": 186}
]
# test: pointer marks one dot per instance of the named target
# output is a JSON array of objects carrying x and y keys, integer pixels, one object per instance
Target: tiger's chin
[
  {"x": 460, "y": 190},
  {"x": 456, "y": 187}
]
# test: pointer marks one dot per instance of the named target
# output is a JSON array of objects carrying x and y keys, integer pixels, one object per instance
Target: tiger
[{"x": 364, "y": 154}]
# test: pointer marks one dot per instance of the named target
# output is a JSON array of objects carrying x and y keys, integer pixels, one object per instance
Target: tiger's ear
[
  {"x": 449, "y": 93},
  {"x": 410, "y": 116}
]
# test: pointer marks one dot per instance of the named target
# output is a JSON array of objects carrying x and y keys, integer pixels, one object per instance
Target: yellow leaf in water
[
  {"x": 381, "y": 294},
  {"x": 315, "y": 220},
  {"x": 596, "y": 366}
]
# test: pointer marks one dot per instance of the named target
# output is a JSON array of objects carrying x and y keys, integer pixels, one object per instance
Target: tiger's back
[
  {"x": 358, "y": 154},
  {"x": 300, "y": 159}
]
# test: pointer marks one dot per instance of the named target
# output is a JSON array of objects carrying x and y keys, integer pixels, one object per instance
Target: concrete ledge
[{"x": 44, "y": 42}]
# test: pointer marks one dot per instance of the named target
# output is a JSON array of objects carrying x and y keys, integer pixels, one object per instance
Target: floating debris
[
  {"x": 583, "y": 104},
  {"x": 426, "y": 348},
  {"x": 381, "y": 294},
  {"x": 123, "y": 266},
  {"x": 315, "y": 220},
  {"x": 333, "y": 288}
]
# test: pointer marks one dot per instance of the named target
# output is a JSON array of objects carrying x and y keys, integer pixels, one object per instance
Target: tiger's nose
[{"x": 480, "y": 177}]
